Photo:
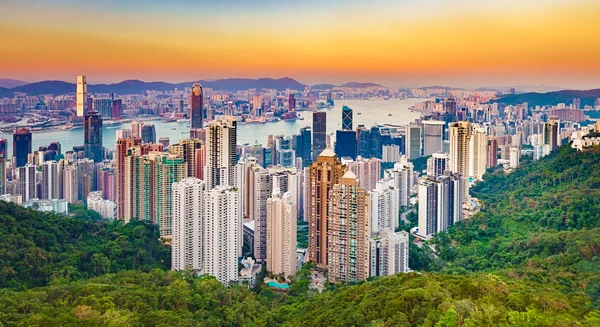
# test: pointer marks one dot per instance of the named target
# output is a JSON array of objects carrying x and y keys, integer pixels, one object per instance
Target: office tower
[
  {"x": 304, "y": 145},
  {"x": 148, "y": 133},
  {"x": 3, "y": 178},
  {"x": 121, "y": 154},
  {"x": 21, "y": 146},
  {"x": 188, "y": 216},
  {"x": 165, "y": 141},
  {"x": 450, "y": 106},
  {"x": 71, "y": 184},
  {"x": 27, "y": 182},
  {"x": 51, "y": 180},
  {"x": 281, "y": 234},
  {"x": 3, "y": 147},
  {"x": 478, "y": 153},
  {"x": 437, "y": 164},
  {"x": 96, "y": 202},
  {"x": 391, "y": 153},
  {"x": 291, "y": 102},
  {"x": 402, "y": 175},
  {"x": 433, "y": 136},
  {"x": 186, "y": 149},
  {"x": 103, "y": 107},
  {"x": 257, "y": 103},
  {"x": 346, "y": 118},
  {"x": 196, "y": 106},
  {"x": 492, "y": 152},
  {"x": 440, "y": 203},
  {"x": 368, "y": 171},
  {"x": 220, "y": 153},
  {"x": 319, "y": 130},
  {"x": 285, "y": 154},
  {"x": 220, "y": 239},
  {"x": 324, "y": 173},
  {"x": 348, "y": 231},
  {"x": 166, "y": 170},
  {"x": 515, "y": 156},
  {"x": 116, "y": 110},
  {"x": 345, "y": 143},
  {"x": 551, "y": 134},
  {"x": 413, "y": 141},
  {"x": 82, "y": 98},
  {"x": 93, "y": 148},
  {"x": 384, "y": 206},
  {"x": 389, "y": 253}
]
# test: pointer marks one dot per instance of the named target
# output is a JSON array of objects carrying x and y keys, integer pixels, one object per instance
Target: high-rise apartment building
[
  {"x": 166, "y": 170},
  {"x": 186, "y": 149},
  {"x": 220, "y": 153},
  {"x": 196, "y": 106},
  {"x": 384, "y": 206},
  {"x": 478, "y": 153},
  {"x": 188, "y": 218},
  {"x": 389, "y": 253},
  {"x": 81, "y": 96},
  {"x": 492, "y": 152},
  {"x": 325, "y": 172},
  {"x": 93, "y": 148},
  {"x": 440, "y": 203},
  {"x": 433, "y": 136},
  {"x": 319, "y": 130},
  {"x": 281, "y": 234},
  {"x": 21, "y": 146},
  {"x": 259, "y": 195},
  {"x": 51, "y": 180},
  {"x": 460, "y": 138},
  {"x": 403, "y": 176},
  {"x": 220, "y": 239},
  {"x": 413, "y": 141},
  {"x": 348, "y": 231},
  {"x": 346, "y": 118},
  {"x": 368, "y": 170},
  {"x": 71, "y": 184},
  {"x": 121, "y": 154},
  {"x": 437, "y": 164},
  {"x": 27, "y": 182},
  {"x": 3, "y": 179},
  {"x": 551, "y": 134}
]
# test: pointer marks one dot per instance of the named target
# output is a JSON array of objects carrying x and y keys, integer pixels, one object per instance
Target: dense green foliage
[
  {"x": 530, "y": 258},
  {"x": 37, "y": 248}
]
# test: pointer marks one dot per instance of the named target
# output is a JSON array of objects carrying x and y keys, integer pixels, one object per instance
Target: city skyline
[{"x": 400, "y": 43}]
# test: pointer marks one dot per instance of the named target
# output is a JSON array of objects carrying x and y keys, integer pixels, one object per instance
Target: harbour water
[{"x": 372, "y": 112}]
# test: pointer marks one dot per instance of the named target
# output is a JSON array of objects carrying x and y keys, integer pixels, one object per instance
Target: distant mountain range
[
  {"x": 137, "y": 86},
  {"x": 552, "y": 98},
  {"x": 10, "y": 83}
]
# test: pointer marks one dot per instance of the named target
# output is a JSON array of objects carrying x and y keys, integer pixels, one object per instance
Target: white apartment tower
[
  {"x": 384, "y": 206},
  {"x": 389, "y": 253},
  {"x": 281, "y": 234},
  {"x": 187, "y": 224},
  {"x": 220, "y": 153},
  {"x": 478, "y": 153}
]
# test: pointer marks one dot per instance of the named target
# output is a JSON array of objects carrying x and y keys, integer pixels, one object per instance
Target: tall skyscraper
[
  {"x": 281, "y": 234},
  {"x": 291, "y": 102},
  {"x": 21, "y": 146},
  {"x": 220, "y": 153},
  {"x": 121, "y": 154},
  {"x": 346, "y": 118},
  {"x": 492, "y": 152},
  {"x": 433, "y": 136},
  {"x": 188, "y": 218},
  {"x": 27, "y": 182},
  {"x": 384, "y": 206},
  {"x": 319, "y": 133},
  {"x": 478, "y": 153},
  {"x": 70, "y": 184},
  {"x": 413, "y": 141},
  {"x": 460, "y": 139},
  {"x": 402, "y": 175},
  {"x": 259, "y": 195},
  {"x": 196, "y": 106},
  {"x": 389, "y": 253},
  {"x": 551, "y": 134},
  {"x": 303, "y": 145},
  {"x": 437, "y": 164},
  {"x": 93, "y": 137},
  {"x": 103, "y": 107},
  {"x": 440, "y": 203},
  {"x": 166, "y": 170},
  {"x": 148, "y": 133},
  {"x": 326, "y": 171},
  {"x": 348, "y": 231},
  {"x": 51, "y": 180},
  {"x": 116, "y": 109},
  {"x": 3, "y": 147},
  {"x": 345, "y": 144},
  {"x": 3, "y": 179},
  {"x": 221, "y": 234},
  {"x": 368, "y": 170},
  {"x": 81, "y": 96},
  {"x": 186, "y": 149}
]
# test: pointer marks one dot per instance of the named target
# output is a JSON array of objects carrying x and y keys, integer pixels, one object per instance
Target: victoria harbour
[{"x": 372, "y": 112}]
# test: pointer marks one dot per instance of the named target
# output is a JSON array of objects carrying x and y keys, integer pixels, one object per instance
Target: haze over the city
[{"x": 396, "y": 43}]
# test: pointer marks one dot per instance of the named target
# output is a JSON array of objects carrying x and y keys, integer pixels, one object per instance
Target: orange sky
[{"x": 397, "y": 43}]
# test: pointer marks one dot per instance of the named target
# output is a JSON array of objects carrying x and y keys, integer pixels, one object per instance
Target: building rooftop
[{"x": 327, "y": 153}]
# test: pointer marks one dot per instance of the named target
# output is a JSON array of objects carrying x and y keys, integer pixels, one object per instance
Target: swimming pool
[{"x": 278, "y": 285}]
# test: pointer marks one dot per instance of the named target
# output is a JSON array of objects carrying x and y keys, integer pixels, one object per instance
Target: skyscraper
[
  {"x": 166, "y": 170},
  {"x": 345, "y": 143},
  {"x": 148, "y": 133},
  {"x": 103, "y": 107},
  {"x": 348, "y": 231},
  {"x": 550, "y": 132},
  {"x": 478, "y": 153},
  {"x": 346, "y": 118},
  {"x": 437, "y": 164},
  {"x": 460, "y": 139},
  {"x": 220, "y": 153},
  {"x": 281, "y": 234},
  {"x": 51, "y": 180},
  {"x": 389, "y": 253},
  {"x": 81, "y": 96},
  {"x": 221, "y": 242},
  {"x": 259, "y": 195},
  {"x": 413, "y": 141},
  {"x": 27, "y": 182},
  {"x": 116, "y": 109},
  {"x": 319, "y": 133},
  {"x": 433, "y": 136},
  {"x": 384, "y": 206},
  {"x": 440, "y": 203},
  {"x": 324, "y": 173},
  {"x": 121, "y": 153},
  {"x": 21, "y": 146},
  {"x": 3, "y": 147},
  {"x": 368, "y": 170},
  {"x": 196, "y": 106},
  {"x": 186, "y": 149},
  {"x": 492, "y": 152},
  {"x": 402, "y": 175},
  {"x": 188, "y": 218},
  {"x": 291, "y": 102},
  {"x": 2, "y": 174},
  {"x": 93, "y": 137},
  {"x": 304, "y": 145}
]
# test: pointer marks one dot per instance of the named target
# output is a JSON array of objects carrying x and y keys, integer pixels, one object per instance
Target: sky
[{"x": 466, "y": 43}]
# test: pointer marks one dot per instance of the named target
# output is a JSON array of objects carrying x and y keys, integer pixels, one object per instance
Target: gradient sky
[{"x": 396, "y": 43}]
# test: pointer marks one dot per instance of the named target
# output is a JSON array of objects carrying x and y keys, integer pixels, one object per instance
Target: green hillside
[{"x": 530, "y": 258}]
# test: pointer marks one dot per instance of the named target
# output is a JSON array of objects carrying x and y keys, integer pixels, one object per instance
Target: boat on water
[
  {"x": 358, "y": 113},
  {"x": 173, "y": 128},
  {"x": 389, "y": 115}
]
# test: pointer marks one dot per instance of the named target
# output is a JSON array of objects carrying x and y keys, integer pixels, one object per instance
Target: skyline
[{"x": 400, "y": 44}]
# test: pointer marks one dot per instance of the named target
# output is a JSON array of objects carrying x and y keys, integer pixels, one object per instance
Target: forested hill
[{"x": 530, "y": 258}]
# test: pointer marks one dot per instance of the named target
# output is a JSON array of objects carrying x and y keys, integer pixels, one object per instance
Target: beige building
[
  {"x": 324, "y": 173},
  {"x": 281, "y": 234},
  {"x": 348, "y": 232}
]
